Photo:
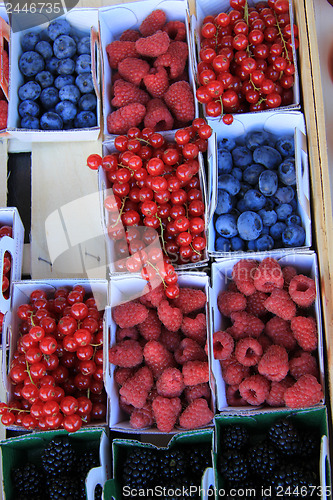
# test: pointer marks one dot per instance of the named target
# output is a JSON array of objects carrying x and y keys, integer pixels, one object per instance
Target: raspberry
[
  {"x": 130, "y": 35},
  {"x": 265, "y": 342},
  {"x": 174, "y": 60},
  {"x": 255, "y": 304},
  {"x": 233, "y": 396},
  {"x": 246, "y": 325},
  {"x": 179, "y": 99},
  {"x": 170, "y": 340},
  {"x": 153, "y": 45},
  {"x": 223, "y": 345},
  {"x": 119, "y": 50},
  {"x": 196, "y": 414},
  {"x": 166, "y": 412},
  {"x": 171, "y": 317},
  {"x": 234, "y": 373},
  {"x": 157, "y": 357},
  {"x": 248, "y": 351},
  {"x": 254, "y": 389},
  {"x": 129, "y": 314},
  {"x": 150, "y": 328},
  {"x": 189, "y": 350},
  {"x": 193, "y": 392},
  {"x": 302, "y": 290},
  {"x": 280, "y": 304},
  {"x": 156, "y": 82},
  {"x": 243, "y": 273},
  {"x": 274, "y": 363},
  {"x": 276, "y": 394},
  {"x": 176, "y": 30},
  {"x": 135, "y": 390},
  {"x": 190, "y": 300},
  {"x": 158, "y": 117},
  {"x": 303, "y": 363},
  {"x": 305, "y": 392},
  {"x": 170, "y": 384},
  {"x": 152, "y": 296},
  {"x": 120, "y": 121},
  {"x": 152, "y": 23},
  {"x": 288, "y": 273},
  {"x": 142, "y": 417},
  {"x": 195, "y": 328},
  {"x": 268, "y": 275},
  {"x": 127, "y": 354},
  {"x": 195, "y": 372},
  {"x": 229, "y": 302},
  {"x": 133, "y": 69},
  {"x": 127, "y": 333},
  {"x": 127, "y": 93},
  {"x": 279, "y": 331},
  {"x": 125, "y": 407},
  {"x": 122, "y": 374},
  {"x": 305, "y": 332},
  {"x": 3, "y": 114}
]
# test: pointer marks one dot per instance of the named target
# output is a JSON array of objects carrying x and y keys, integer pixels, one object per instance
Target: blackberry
[
  {"x": 172, "y": 464},
  {"x": 234, "y": 437},
  {"x": 139, "y": 470},
  {"x": 234, "y": 466},
  {"x": 63, "y": 488},
  {"x": 263, "y": 459},
  {"x": 58, "y": 457},
  {"x": 28, "y": 480},
  {"x": 310, "y": 444},
  {"x": 88, "y": 460},
  {"x": 198, "y": 459},
  {"x": 292, "y": 476},
  {"x": 284, "y": 436},
  {"x": 186, "y": 486}
]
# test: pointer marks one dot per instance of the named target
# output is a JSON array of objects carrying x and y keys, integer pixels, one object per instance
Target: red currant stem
[
  {"x": 194, "y": 250},
  {"x": 120, "y": 212},
  {"x": 162, "y": 232},
  {"x": 88, "y": 393},
  {"x": 282, "y": 38},
  {"x": 246, "y": 13},
  {"x": 126, "y": 166},
  {"x": 31, "y": 319},
  {"x": 28, "y": 372},
  {"x": 253, "y": 85},
  {"x": 155, "y": 269},
  {"x": 96, "y": 345}
]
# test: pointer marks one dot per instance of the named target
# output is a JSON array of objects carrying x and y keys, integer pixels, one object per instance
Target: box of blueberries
[
  {"x": 259, "y": 185},
  {"x": 54, "y": 83}
]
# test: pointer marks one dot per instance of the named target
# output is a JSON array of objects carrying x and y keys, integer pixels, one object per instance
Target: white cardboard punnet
[{"x": 99, "y": 475}]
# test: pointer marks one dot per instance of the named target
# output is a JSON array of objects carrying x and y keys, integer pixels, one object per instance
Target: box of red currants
[
  {"x": 4, "y": 69},
  {"x": 148, "y": 69},
  {"x": 54, "y": 79},
  {"x": 267, "y": 339}
]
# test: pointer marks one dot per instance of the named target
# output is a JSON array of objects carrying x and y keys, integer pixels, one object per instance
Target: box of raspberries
[
  {"x": 4, "y": 69},
  {"x": 54, "y": 80},
  {"x": 50, "y": 465},
  {"x": 260, "y": 185},
  {"x": 267, "y": 332},
  {"x": 158, "y": 374},
  {"x": 148, "y": 78}
]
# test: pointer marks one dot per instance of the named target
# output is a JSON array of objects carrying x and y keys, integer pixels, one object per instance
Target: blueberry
[
  {"x": 277, "y": 229},
  {"x": 222, "y": 244},
  {"x": 83, "y": 45},
  {"x": 226, "y": 225},
  {"x": 254, "y": 200},
  {"x": 69, "y": 93},
  {"x": 88, "y": 102},
  {"x": 83, "y": 64},
  {"x": 63, "y": 80},
  {"x": 85, "y": 119},
  {"x": 51, "y": 65},
  {"x": 237, "y": 244},
  {"x": 244, "y": 189},
  {"x": 28, "y": 108},
  {"x": 85, "y": 83},
  {"x": 267, "y": 156},
  {"x": 225, "y": 202},
  {"x": 285, "y": 194},
  {"x": 45, "y": 79},
  {"x": 287, "y": 172},
  {"x": 251, "y": 173},
  {"x": 31, "y": 63},
  {"x": 265, "y": 230},
  {"x": 293, "y": 204},
  {"x": 237, "y": 173},
  {"x": 293, "y": 220},
  {"x": 29, "y": 40},
  {"x": 241, "y": 205},
  {"x": 285, "y": 146},
  {"x": 58, "y": 27},
  {"x": 66, "y": 110},
  {"x": 49, "y": 97},
  {"x": 229, "y": 183},
  {"x": 269, "y": 217},
  {"x": 293, "y": 236},
  {"x": 283, "y": 211},
  {"x": 226, "y": 143},
  {"x": 255, "y": 139},
  {"x": 64, "y": 46},
  {"x": 251, "y": 246},
  {"x": 44, "y": 49},
  {"x": 66, "y": 66},
  {"x": 30, "y": 122},
  {"x": 249, "y": 225},
  {"x": 264, "y": 243},
  {"x": 270, "y": 205},
  {"x": 51, "y": 121},
  {"x": 224, "y": 161},
  {"x": 268, "y": 182},
  {"x": 30, "y": 90},
  {"x": 242, "y": 157}
]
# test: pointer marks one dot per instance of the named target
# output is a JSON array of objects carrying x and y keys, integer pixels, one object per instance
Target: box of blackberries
[
  {"x": 4, "y": 69},
  {"x": 54, "y": 80},
  {"x": 273, "y": 454},
  {"x": 56, "y": 464},
  {"x": 267, "y": 340},
  {"x": 259, "y": 185},
  {"x": 148, "y": 77},
  {"x": 157, "y": 370},
  {"x": 177, "y": 469}
]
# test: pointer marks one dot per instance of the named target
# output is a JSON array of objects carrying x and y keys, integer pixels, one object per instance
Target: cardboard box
[
  {"x": 306, "y": 263},
  {"x": 278, "y": 123},
  {"x": 83, "y": 22},
  {"x": 114, "y": 20},
  {"x": 17, "y": 451}
]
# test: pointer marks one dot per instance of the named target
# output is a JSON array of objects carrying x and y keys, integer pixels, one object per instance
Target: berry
[
  {"x": 189, "y": 350},
  {"x": 28, "y": 480},
  {"x": 190, "y": 300},
  {"x": 153, "y": 45},
  {"x": 58, "y": 457},
  {"x": 142, "y": 417},
  {"x": 234, "y": 372},
  {"x": 293, "y": 236},
  {"x": 280, "y": 304},
  {"x": 245, "y": 325},
  {"x": 234, "y": 437},
  {"x": 136, "y": 388},
  {"x": 248, "y": 351},
  {"x": 174, "y": 60},
  {"x": 229, "y": 302},
  {"x": 195, "y": 372},
  {"x": 285, "y": 437},
  {"x": 166, "y": 412},
  {"x": 170, "y": 384},
  {"x": 195, "y": 328},
  {"x": 233, "y": 466},
  {"x": 171, "y": 317},
  {"x": 150, "y": 328},
  {"x": 223, "y": 345},
  {"x": 127, "y": 353},
  {"x": 254, "y": 389},
  {"x": 197, "y": 391},
  {"x": 268, "y": 275},
  {"x": 302, "y": 290},
  {"x": 152, "y": 297},
  {"x": 119, "y": 50},
  {"x": 303, "y": 363},
  {"x": 305, "y": 392},
  {"x": 276, "y": 393},
  {"x": 255, "y": 304},
  {"x": 120, "y": 121},
  {"x": 243, "y": 274},
  {"x": 305, "y": 332},
  {"x": 129, "y": 314},
  {"x": 153, "y": 22},
  {"x": 133, "y": 69},
  {"x": 274, "y": 363},
  {"x": 158, "y": 117},
  {"x": 31, "y": 63},
  {"x": 278, "y": 330},
  {"x": 156, "y": 82},
  {"x": 127, "y": 93},
  {"x": 179, "y": 99},
  {"x": 157, "y": 357},
  {"x": 196, "y": 414}
]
